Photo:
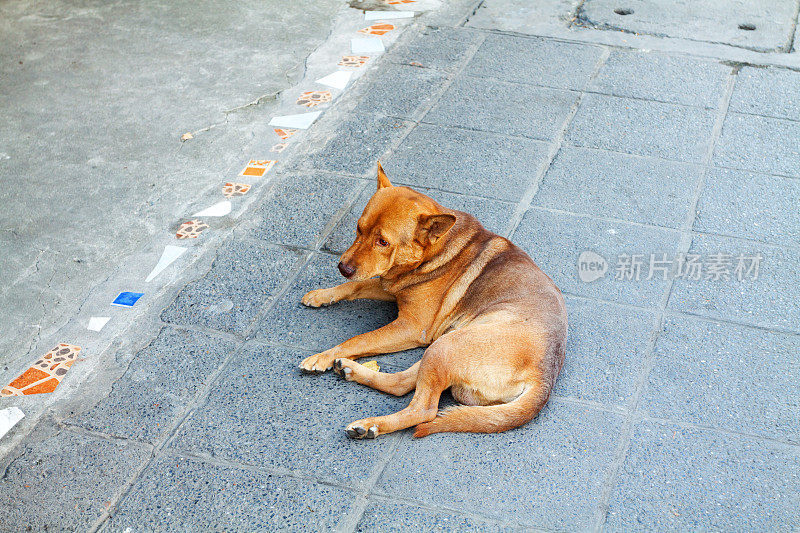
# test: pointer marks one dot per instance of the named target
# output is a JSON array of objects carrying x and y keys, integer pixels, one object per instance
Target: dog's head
[{"x": 397, "y": 231}]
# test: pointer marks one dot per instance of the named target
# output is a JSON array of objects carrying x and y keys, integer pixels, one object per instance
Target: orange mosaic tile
[
  {"x": 353, "y": 61},
  {"x": 395, "y": 2},
  {"x": 314, "y": 98},
  {"x": 229, "y": 190},
  {"x": 377, "y": 29},
  {"x": 284, "y": 133},
  {"x": 191, "y": 229},
  {"x": 257, "y": 167},
  {"x": 45, "y": 374}
]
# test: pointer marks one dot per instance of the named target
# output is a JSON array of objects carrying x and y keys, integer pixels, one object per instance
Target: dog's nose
[{"x": 346, "y": 270}]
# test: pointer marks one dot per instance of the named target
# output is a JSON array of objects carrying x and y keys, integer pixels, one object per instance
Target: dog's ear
[
  {"x": 383, "y": 179},
  {"x": 431, "y": 228}
]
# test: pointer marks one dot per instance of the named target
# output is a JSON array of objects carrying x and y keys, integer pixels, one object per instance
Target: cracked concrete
[{"x": 96, "y": 97}]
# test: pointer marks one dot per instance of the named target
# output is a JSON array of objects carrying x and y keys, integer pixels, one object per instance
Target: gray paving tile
[
  {"x": 752, "y": 206},
  {"x": 493, "y": 214},
  {"x": 440, "y": 48},
  {"x": 502, "y": 107},
  {"x": 767, "y": 91},
  {"x": 467, "y": 162},
  {"x": 177, "y": 494},
  {"x": 610, "y": 184},
  {"x": 556, "y": 240},
  {"x": 291, "y": 322},
  {"x": 702, "y": 20},
  {"x": 527, "y": 60},
  {"x": 352, "y": 145},
  {"x": 401, "y": 91},
  {"x": 605, "y": 351},
  {"x": 384, "y": 516},
  {"x": 670, "y": 78},
  {"x": 642, "y": 127},
  {"x": 63, "y": 481},
  {"x": 547, "y": 474},
  {"x": 761, "y": 144},
  {"x": 161, "y": 379},
  {"x": 677, "y": 479},
  {"x": 245, "y": 274},
  {"x": 733, "y": 377},
  {"x": 265, "y": 412},
  {"x": 299, "y": 207},
  {"x": 769, "y": 301}
]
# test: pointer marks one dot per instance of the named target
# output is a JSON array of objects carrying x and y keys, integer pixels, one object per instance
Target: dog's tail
[{"x": 488, "y": 418}]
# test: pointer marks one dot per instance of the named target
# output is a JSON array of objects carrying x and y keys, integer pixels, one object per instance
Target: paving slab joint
[
  {"x": 166, "y": 439},
  {"x": 351, "y": 521},
  {"x": 634, "y": 417},
  {"x": 555, "y": 146},
  {"x": 434, "y": 99}
]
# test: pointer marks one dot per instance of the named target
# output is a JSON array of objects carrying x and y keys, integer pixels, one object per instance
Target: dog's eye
[{"x": 382, "y": 242}]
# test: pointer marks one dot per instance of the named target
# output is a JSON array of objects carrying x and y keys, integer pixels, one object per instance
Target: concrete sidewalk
[{"x": 679, "y": 404}]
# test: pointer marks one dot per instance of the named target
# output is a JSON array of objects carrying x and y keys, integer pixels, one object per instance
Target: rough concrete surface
[
  {"x": 95, "y": 98},
  {"x": 678, "y": 405}
]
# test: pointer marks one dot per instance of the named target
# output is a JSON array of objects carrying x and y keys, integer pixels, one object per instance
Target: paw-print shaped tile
[
  {"x": 257, "y": 167},
  {"x": 284, "y": 133},
  {"x": 229, "y": 190},
  {"x": 45, "y": 374},
  {"x": 280, "y": 147},
  {"x": 314, "y": 98},
  {"x": 353, "y": 61},
  {"x": 377, "y": 29},
  {"x": 191, "y": 229}
]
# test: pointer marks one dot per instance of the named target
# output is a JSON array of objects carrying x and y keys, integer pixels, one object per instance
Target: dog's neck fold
[{"x": 443, "y": 251}]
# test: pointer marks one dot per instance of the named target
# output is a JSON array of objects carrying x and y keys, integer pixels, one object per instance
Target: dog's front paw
[
  {"x": 344, "y": 367},
  {"x": 319, "y": 298},
  {"x": 318, "y": 363},
  {"x": 362, "y": 429}
]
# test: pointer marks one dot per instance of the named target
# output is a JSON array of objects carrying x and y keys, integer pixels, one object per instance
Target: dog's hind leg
[
  {"x": 398, "y": 384},
  {"x": 423, "y": 408},
  {"x": 370, "y": 289},
  {"x": 432, "y": 379}
]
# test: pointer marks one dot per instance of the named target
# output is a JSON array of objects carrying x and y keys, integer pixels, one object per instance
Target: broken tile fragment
[
  {"x": 314, "y": 98},
  {"x": 387, "y": 15},
  {"x": 9, "y": 418},
  {"x": 168, "y": 256},
  {"x": 96, "y": 323},
  {"x": 369, "y": 45},
  {"x": 220, "y": 209},
  {"x": 191, "y": 229},
  {"x": 337, "y": 80},
  {"x": 280, "y": 147},
  {"x": 257, "y": 167},
  {"x": 301, "y": 121},
  {"x": 353, "y": 61},
  {"x": 127, "y": 299},
  {"x": 377, "y": 29},
  {"x": 45, "y": 374},
  {"x": 284, "y": 133},
  {"x": 230, "y": 189}
]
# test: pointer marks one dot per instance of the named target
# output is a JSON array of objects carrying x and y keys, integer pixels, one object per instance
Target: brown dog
[{"x": 495, "y": 325}]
